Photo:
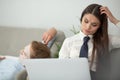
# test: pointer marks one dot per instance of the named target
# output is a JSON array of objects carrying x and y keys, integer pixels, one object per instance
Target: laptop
[{"x": 57, "y": 69}]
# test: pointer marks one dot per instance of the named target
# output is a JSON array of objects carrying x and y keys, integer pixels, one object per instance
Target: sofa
[
  {"x": 13, "y": 39},
  {"x": 115, "y": 64},
  {"x": 109, "y": 66}
]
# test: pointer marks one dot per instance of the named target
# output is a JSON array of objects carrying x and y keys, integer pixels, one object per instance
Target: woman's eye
[{"x": 94, "y": 25}]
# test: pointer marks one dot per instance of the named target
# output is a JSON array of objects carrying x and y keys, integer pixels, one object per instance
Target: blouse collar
[{"x": 83, "y": 35}]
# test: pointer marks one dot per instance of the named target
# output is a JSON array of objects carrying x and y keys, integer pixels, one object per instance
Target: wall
[{"x": 61, "y": 14}]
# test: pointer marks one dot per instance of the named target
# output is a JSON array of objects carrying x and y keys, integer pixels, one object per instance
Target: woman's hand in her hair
[
  {"x": 48, "y": 35},
  {"x": 105, "y": 10}
]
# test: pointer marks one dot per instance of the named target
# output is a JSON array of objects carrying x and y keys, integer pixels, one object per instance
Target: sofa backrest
[{"x": 14, "y": 39}]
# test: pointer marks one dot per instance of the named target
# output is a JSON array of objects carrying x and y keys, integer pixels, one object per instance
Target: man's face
[{"x": 25, "y": 53}]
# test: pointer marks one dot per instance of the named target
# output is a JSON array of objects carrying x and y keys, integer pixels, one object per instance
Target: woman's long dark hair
[{"x": 100, "y": 38}]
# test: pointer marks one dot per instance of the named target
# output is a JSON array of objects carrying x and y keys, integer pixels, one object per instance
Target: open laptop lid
[{"x": 57, "y": 69}]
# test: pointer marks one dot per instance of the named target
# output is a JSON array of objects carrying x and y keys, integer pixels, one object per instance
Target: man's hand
[
  {"x": 48, "y": 35},
  {"x": 2, "y": 57}
]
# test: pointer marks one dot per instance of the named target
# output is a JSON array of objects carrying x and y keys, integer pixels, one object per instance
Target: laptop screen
[{"x": 57, "y": 69}]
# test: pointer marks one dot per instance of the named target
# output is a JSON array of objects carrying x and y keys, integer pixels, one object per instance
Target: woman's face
[
  {"x": 25, "y": 53},
  {"x": 89, "y": 24}
]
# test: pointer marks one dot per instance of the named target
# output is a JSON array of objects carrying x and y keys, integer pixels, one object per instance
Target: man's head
[{"x": 35, "y": 50}]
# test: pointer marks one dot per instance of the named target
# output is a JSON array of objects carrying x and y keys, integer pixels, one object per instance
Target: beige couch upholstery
[
  {"x": 14, "y": 39},
  {"x": 109, "y": 66},
  {"x": 115, "y": 64}
]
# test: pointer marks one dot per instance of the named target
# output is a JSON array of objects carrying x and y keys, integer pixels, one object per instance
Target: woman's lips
[{"x": 87, "y": 31}]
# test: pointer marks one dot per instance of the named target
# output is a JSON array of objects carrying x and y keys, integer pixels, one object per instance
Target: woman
[{"x": 94, "y": 24}]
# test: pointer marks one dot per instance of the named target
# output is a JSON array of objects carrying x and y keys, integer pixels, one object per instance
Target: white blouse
[{"x": 71, "y": 46}]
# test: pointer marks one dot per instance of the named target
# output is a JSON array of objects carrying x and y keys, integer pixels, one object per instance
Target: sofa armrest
[{"x": 59, "y": 39}]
